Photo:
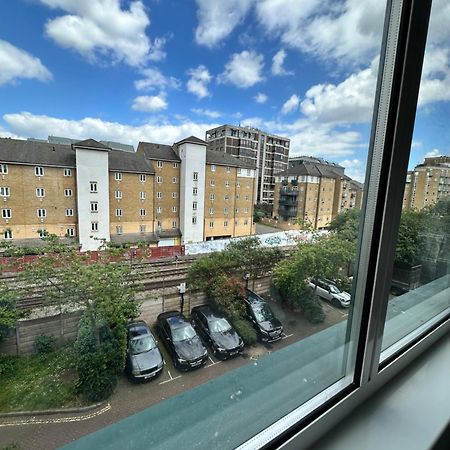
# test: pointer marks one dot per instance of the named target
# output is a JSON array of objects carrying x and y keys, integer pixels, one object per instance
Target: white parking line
[
  {"x": 213, "y": 363},
  {"x": 285, "y": 336},
  {"x": 171, "y": 378}
]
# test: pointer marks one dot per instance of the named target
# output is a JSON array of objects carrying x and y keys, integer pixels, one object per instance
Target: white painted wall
[
  {"x": 92, "y": 165},
  {"x": 193, "y": 159}
]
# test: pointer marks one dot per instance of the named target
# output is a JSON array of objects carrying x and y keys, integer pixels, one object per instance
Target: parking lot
[{"x": 130, "y": 398}]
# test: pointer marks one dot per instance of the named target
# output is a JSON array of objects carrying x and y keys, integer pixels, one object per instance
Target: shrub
[
  {"x": 44, "y": 344},
  {"x": 311, "y": 306},
  {"x": 246, "y": 331},
  {"x": 8, "y": 366}
]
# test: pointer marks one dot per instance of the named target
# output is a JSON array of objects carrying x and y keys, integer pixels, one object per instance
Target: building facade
[
  {"x": 427, "y": 183},
  {"x": 269, "y": 153},
  {"x": 86, "y": 192},
  {"x": 313, "y": 191}
]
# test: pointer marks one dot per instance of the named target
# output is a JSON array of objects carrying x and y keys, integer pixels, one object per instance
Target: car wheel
[{"x": 336, "y": 303}]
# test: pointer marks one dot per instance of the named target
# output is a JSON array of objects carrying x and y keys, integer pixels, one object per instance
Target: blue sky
[{"x": 160, "y": 70}]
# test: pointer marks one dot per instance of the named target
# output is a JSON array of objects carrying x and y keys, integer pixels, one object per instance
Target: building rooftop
[
  {"x": 90, "y": 143},
  {"x": 192, "y": 140},
  {"x": 158, "y": 151}
]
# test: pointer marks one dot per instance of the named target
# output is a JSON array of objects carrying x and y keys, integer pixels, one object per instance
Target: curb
[{"x": 53, "y": 411}]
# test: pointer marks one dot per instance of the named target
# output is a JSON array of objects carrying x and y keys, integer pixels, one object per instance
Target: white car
[{"x": 329, "y": 291}]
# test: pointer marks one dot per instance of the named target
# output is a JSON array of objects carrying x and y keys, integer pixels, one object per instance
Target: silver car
[{"x": 329, "y": 291}]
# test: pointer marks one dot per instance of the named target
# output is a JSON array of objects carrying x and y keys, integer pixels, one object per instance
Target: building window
[
  {"x": 42, "y": 233},
  {"x": 226, "y": 197},
  {"x": 228, "y": 169},
  {"x": 39, "y": 171},
  {"x": 42, "y": 213},
  {"x": 119, "y": 212},
  {"x": 174, "y": 195},
  {"x": 213, "y": 168},
  {"x": 159, "y": 164},
  {"x": 212, "y": 182},
  {"x": 70, "y": 232},
  {"x": 225, "y": 210},
  {"x": 236, "y": 222},
  {"x": 225, "y": 223},
  {"x": 195, "y": 176},
  {"x": 174, "y": 209},
  {"x": 118, "y": 194},
  {"x": 246, "y": 210},
  {"x": 245, "y": 221},
  {"x": 159, "y": 179},
  {"x": 159, "y": 195},
  {"x": 158, "y": 210},
  {"x": 68, "y": 192},
  {"x": 94, "y": 226},
  {"x": 67, "y": 172},
  {"x": 4, "y": 191},
  {"x": 93, "y": 186},
  {"x": 94, "y": 207},
  {"x": 143, "y": 177},
  {"x": 237, "y": 196},
  {"x": 7, "y": 234},
  {"x": 159, "y": 224},
  {"x": 118, "y": 176},
  {"x": 69, "y": 212},
  {"x": 175, "y": 165},
  {"x": 142, "y": 228},
  {"x": 236, "y": 210},
  {"x": 211, "y": 210},
  {"x": 6, "y": 213},
  {"x": 194, "y": 205},
  {"x": 248, "y": 185},
  {"x": 143, "y": 212},
  {"x": 174, "y": 224},
  {"x": 194, "y": 220},
  {"x": 174, "y": 180},
  {"x": 227, "y": 183},
  {"x": 249, "y": 172},
  {"x": 40, "y": 192},
  {"x": 3, "y": 169},
  {"x": 238, "y": 184},
  {"x": 142, "y": 195},
  {"x": 211, "y": 224},
  {"x": 212, "y": 197},
  {"x": 194, "y": 191}
]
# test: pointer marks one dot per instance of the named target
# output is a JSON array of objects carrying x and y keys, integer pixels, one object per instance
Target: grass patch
[{"x": 40, "y": 382}]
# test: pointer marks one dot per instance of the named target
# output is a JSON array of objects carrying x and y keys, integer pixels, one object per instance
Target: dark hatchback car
[
  {"x": 269, "y": 328},
  {"x": 182, "y": 341},
  {"x": 144, "y": 360},
  {"x": 217, "y": 331}
]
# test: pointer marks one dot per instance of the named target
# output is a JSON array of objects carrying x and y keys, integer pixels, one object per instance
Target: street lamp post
[
  {"x": 246, "y": 278},
  {"x": 182, "y": 291}
]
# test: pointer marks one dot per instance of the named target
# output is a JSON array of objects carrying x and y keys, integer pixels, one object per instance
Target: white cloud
[
  {"x": 435, "y": 83},
  {"x": 150, "y": 103},
  {"x": 207, "y": 113},
  {"x": 218, "y": 18},
  {"x": 349, "y": 101},
  {"x": 41, "y": 126},
  {"x": 291, "y": 104},
  {"x": 101, "y": 28},
  {"x": 198, "y": 81},
  {"x": 155, "y": 79},
  {"x": 254, "y": 122},
  {"x": 355, "y": 169},
  {"x": 17, "y": 63},
  {"x": 260, "y": 98},
  {"x": 433, "y": 153},
  {"x": 157, "y": 52},
  {"x": 243, "y": 69},
  {"x": 277, "y": 63}
]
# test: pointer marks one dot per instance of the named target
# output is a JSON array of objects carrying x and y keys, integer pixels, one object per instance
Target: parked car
[
  {"x": 217, "y": 331},
  {"x": 144, "y": 359},
  {"x": 180, "y": 338},
  {"x": 269, "y": 328},
  {"x": 329, "y": 291}
]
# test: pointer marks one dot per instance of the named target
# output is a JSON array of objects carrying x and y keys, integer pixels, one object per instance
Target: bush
[
  {"x": 8, "y": 366},
  {"x": 246, "y": 331},
  {"x": 44, "y": 344},
  {"x": 305, "y": 300}
]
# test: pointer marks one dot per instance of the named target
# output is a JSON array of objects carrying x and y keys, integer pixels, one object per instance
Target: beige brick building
[
  {"x": 314, "y": 191},
  {"x": 86, "y": 191},
  {"x": 427, "y": 183}
]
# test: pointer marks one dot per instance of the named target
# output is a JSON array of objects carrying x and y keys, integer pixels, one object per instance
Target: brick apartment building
[
  {"x": 85, "y": 191},
  {"x": 314, "y": 191}
]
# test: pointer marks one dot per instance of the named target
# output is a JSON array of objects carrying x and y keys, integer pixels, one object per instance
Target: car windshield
[
  {"x": 263, "y": 313},
  {"x": 183, "y": 333},
  {"x": 142, "y": 344},
  {"x": 334, "y": 289},
  {"x": 219, "y": 325}
]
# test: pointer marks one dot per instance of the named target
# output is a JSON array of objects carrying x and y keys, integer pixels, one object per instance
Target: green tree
[{"x": 8, "y": 311}]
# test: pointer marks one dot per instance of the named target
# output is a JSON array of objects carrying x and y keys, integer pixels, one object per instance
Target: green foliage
[
  {"x": 8, "y": 366},
  {"x": 227, "y": 295},
  {"x": 246, "y": 331},
  {"x": 409, "y": 242},
  {"x": 311, "y": 305},
  {"x": 8, "y": 312},
  {"x": 346, "y": 224},
  {"x": 44, "y": 344}
]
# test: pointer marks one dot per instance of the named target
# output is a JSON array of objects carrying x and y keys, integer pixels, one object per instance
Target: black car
[
  {"x": 269, "y": 328},
  {"x": 217, "y": 331},
  {"x": 144, "y": 360},
  {"x": 182, "y": 341}
]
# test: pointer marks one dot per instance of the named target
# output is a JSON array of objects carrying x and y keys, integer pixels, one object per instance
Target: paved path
[{"x": 262, "y": 229}]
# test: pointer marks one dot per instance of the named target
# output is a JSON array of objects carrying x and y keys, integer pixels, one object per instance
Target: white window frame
[
  {"x": 227, "y": 183},
  {"x": 93, "y": 187},
  {"x": 194, "y": 205},
  {"x": 212, "y": 183},
  {"x": 70, "y": 232},
  {"x": 68, "y": 192},
  {"x": 118, "y": 195},
  {"x": 40, "y": 191},
  {"x": 194, "y": 220},
  {"x": 8, "y": 234},
  {"x": 195, "y": 176},
  {"x": 213, "y": 167},
  {"x": 39, "y": 171},
  {"x": 174, "y": 180},
  {"x": 118, "y": 176},
  {"x": 174, "y": 209},
  {"x": 69, "y": 212},
  {"x": 212, "y": 197},
  {"x": 211, "y": 224},
  {"x": 67, "y": 172},
  {"x": 174, "y": 194},
  {"x": 94, "y": 207},
  {"x": 119, "y": 212},
  {"x": 3, "y": 169},
  {"x": 159, "y": 179},
  {"x": 41, "y": 213},
  {"x": 94, "y": 226},
  {"x": 159, "y": 164},
  {"x": 159, "y": 210},
  {"x": 159, "y": 195},
  {"x": 143, "y": 212},
  {"x": 119, "y": 229},
  {"x": 142, "y": 228},
  {"x": 5, "y": 191},
  {"x": 211, "y": 211},
  {"x": 174, "y": 224},
  {"x": 6, "y": 213},
  {"x": 142, "y": 195},
  {"x": 143, "y": 178},
  {"x": 175, "y": 165},
  {"x": 194, "y": 191}
]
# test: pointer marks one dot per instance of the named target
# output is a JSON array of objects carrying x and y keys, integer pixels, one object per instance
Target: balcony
[
  {"x": 287, "y": 212},
  {"x": 286, "y": 201},
  {"x": 289, "y": 192}
]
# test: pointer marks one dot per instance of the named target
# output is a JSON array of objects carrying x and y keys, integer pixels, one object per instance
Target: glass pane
[{"x": 420, "y": 287}]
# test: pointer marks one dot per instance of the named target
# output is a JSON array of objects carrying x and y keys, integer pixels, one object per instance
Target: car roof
[
  {"x": 207, "y": 311},
  {"x": 254, "y": 299},
  {"x": 138, "y": 328}
]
